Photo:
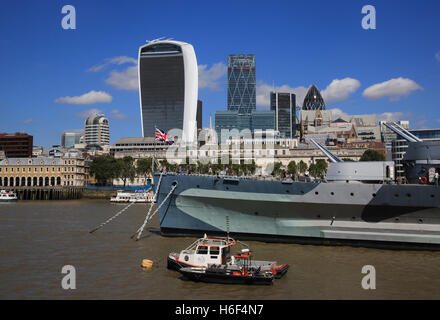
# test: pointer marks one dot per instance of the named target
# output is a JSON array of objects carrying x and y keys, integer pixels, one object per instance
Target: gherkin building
[{"x": 313, "y": 100}]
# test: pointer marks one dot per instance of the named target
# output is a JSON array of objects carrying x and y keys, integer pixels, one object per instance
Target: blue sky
[{"x": 393, "y": 71}]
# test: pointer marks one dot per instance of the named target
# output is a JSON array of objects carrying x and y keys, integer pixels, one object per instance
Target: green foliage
[
  {"x": 348, "y": 160},
  {"x": 372, "y": 155},
  {"x": 126, "y": 169},
  {"x": 302, "y": 167},
  {"x": 104, "y": 168},
  {"x": 319, "y": 168},
  {"x": 277, "y": 171},
  {"x": 292, "y": 168}
]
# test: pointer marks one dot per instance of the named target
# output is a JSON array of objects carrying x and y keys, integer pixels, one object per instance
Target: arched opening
[
  {"x": 5, "y": 181},
  {"x": 1, "y": 182},
  {"x": 11, "y": 181},
  {"x": 40, "y": 182},
  {"x": 58, "y": 181},
  {"x": 17, "y": 181},
  {"x": 35, "y": 182},
  {"x": 29, "y": 181},
  {"x": 46, "y": 181},
  {"x": 23, "y": 181},
  {"x": 52, "y": 181}
]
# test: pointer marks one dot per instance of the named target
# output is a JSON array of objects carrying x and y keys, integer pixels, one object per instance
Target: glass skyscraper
[
  {"x": 241, "y": 83},
  {"x": 284, "y": 106},
  {"x": 168, "y": 87},
  {"x": 313, "y": 100}
]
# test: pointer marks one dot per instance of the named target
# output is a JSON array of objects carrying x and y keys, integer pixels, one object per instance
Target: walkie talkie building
[
  {"x": 241, "y": 83},
  {"x": 168, "y": 87}
]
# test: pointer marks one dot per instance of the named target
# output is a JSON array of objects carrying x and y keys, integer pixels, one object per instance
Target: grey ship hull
[{"x": 402, "y": 216}]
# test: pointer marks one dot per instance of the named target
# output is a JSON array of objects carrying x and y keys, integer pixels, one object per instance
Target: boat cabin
[{"x": 208, "y": 250}]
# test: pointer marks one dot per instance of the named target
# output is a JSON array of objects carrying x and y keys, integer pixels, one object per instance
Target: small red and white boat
[{"x": 209, "y": 251}]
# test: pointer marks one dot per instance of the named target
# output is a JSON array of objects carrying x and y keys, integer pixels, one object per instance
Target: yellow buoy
[{"x": 148, "y": 264}]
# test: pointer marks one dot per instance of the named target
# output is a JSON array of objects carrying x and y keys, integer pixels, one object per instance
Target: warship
[{"x": 358, "y": 203}]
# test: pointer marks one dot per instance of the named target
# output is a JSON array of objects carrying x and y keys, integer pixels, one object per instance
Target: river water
[{"x": 38, "y": 238}]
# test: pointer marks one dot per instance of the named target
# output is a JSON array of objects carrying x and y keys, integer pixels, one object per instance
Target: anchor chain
[{"x": 150, "y": 216}]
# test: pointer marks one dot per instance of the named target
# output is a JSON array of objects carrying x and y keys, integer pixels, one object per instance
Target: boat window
[
  {"x": 202, "y": 250},
  {"x": 214, "y": 250}
]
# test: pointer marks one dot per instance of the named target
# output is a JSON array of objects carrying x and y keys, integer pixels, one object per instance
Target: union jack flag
[{"x": 162, "y": 136}]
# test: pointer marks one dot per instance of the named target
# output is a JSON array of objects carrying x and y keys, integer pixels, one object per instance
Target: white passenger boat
[
  {"x": 8, "y": 196},
  {"x": 126, "y": 196}
]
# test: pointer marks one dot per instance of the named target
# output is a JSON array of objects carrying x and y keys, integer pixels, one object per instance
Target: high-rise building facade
[
  {"x": 256, "y": 120},
  {"x": 17, "y": 145},
  {"x": 313, "y": 100},
  {"x": 284, "y": 106},
  {"x": 168, "y": 87},
  {"x": 241, "y": 83},
  {"x": 96, "y": 130},
  {"x": 70, "y": 138}
]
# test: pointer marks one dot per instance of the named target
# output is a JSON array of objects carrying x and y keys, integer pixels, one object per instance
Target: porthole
[
  {"x": 397, "y": 219},
  {"x": 198, "y": 186},
  {"x": 316, "y": 192},
  {"x": 420, "y": 220},
  {"x": 432, "y": 196},
  {"x": 318, "y": 216},
  {"x": 186, "y": 258},
  {"x": 227, "y": 188},
  {"x": 287, "y": 191},
  {"x": 352, "y": 194},
  {"x": 373, "y": 195},
  {"x": 332, "y": 193}
]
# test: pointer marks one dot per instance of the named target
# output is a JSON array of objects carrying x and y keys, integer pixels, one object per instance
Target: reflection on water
[{"x": 37, "y": 238}]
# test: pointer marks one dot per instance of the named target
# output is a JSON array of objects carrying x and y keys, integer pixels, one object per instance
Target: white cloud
[
  {"x": 394, "y": 89},
  {"x": 124, "y": 80},
  {"x": 88, "y": 113},
  {"x": 394, "y": 116},
  {"x": 30, "y": 120},
  {"x": 209, "y": 78},
  {"x": 115, "y": 114},
  {"x": 339, "y": 90},
  {"x": 87, "y": 98},
  {"x": 263, "y": 93},
  {"x": 115, "y": 60},
  {"x": 337, "y": 113}
]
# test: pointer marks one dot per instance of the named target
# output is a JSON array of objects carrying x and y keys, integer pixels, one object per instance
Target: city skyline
[{"x": 393, "y": 71}]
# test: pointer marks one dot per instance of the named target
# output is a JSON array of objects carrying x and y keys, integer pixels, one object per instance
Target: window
[
  {"x": 202, "y": 250},
  {"x": 214, "y": 250}
]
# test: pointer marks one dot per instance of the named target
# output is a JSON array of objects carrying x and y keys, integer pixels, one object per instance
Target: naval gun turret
[
  {"x": 364, "y": 171},
  {"x": 422, "y": 158}
]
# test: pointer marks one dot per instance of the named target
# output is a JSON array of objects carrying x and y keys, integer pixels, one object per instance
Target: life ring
[{"x": 423, "y": 180}]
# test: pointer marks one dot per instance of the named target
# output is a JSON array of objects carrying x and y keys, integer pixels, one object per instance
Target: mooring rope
[
  {"x": 151, "y": 206},
  {"x": 149, "y": 217},
  {"x": 115, "y": 216}
]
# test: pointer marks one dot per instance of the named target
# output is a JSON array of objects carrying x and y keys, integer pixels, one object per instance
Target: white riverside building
[
  {"x": 96, "y": 130},
  {"x": 168, "y": 87}
]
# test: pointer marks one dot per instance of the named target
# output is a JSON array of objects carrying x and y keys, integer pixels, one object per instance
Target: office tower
[
  {"x": 284, "y": 106},
  {"x": 199, "y": 115},
  {"x": 17, "y": 145},
  {"x": 313, "y": 100},
  {"x": 241, "y": 83},
  {"x": 70, "y": 138},
  {"x": 96, "y": 130},
  {"x": 168, "y": 85}
]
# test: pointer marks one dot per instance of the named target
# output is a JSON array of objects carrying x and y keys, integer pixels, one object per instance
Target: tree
[
  {"x": 302, "y": 167},
  {"x": 348, "y": 160},
  {"x": 292, "y": 168},
  {"x": 144, "y": 167},
  {"x": 104, "y": 168},
  {"x": 321, "y": 167},
  {"x": 126, "y": 169},
  {"x": 372, "y": 155},
  {"x": 277, "y": 169}
]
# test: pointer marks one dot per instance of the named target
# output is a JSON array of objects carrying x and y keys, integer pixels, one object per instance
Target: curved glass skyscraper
[
  {"x": 313, "y": 100},
  {"x": 168, "y": 85}
]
